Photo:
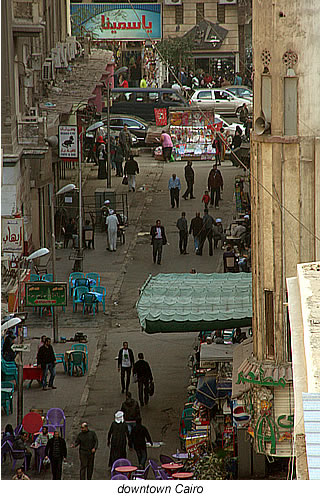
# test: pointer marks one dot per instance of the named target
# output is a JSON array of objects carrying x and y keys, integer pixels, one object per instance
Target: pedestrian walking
[
  {"x": 189, "y": 176},
  {"x": 131, "y": 168},
  {"x": 206, "y": 199},
  {"x": 215, "y": 185},
  {"x": 207, "y": 231},
  {"x": 196, "y": 227},
  {"x": 7, "y": 353},
  {"x": 87, "y": 441},
  {"x": 117, "y": 438},
  {"x": 118, "y": 158},
  {"x": 56, "y": 451},
  {"x": 167, "y": 145},
  {"x": 174, "y": 187},
  {"x": 125, "y": 141},
  {"x": 182, "y": 225},
  {"x": 217, "y": 144},
  {"x": 140, "y": 436},
  {"x": 144, "y": 377},
  {"x": 158, "y": 240},
  {"x": 218, "y": 234},
  {"x": 88, "y": 233},
  {"x": 102, "y": 158},
  {"x": 125, "y": 364},
  {"x": 131, "y": 412},
  {"x": 47, "y": 360},
  {"x": 112, "y": 223}
]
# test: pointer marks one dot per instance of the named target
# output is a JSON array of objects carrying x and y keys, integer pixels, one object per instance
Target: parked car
[
  {"x": 240, "y": 91},
  {"x": 230, "y": 128},
  {"x": 142, "y": 102},
  {"x": 222, "y": 101},
  {"x": 136, "y": 126}
]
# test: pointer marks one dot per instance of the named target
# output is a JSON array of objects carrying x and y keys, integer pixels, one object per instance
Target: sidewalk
[{"x": 96, "y": 396}]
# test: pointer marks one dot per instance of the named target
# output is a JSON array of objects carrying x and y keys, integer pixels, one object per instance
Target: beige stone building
[{"x": 285, "y": 192}]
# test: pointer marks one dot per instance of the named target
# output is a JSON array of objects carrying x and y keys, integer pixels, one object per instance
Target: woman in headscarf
[
  {"x": 102, "y": 158},
  {"x": 117, "y": 436}
]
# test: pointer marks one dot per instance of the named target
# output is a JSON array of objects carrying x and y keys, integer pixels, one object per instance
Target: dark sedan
[{"x": 136, "y": 126}]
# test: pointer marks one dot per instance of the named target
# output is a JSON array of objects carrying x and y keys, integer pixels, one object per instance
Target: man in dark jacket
[
  {"x": 131, "y": 412},
  {"x": 158, "y": 239},
  {"x": 130, "y": 169},
  {"x": 182, "y": 225},
  {"x": 20, "y": 443},
  {"x": 47, "y": 360},
  {"x": 189, "y": 176},
  {"x": 215, "y": 184},
  {"x": 56, "y": 451},
  {"x": 88, "y": 443},
  {"x": 196, "y": 229},
  {"x": 7, "y": 352},
  {"x": 125, "y": 364},
  {"x": 125, "y": 140},
  {"x": 207, "y": 232},
  {"x": 144, "y": 377},
  {"x": 140, "y": 436}
]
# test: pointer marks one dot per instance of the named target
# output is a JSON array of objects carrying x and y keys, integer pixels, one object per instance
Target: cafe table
[
  {"x": 171, "y": 467},
  {"x": 181, "y": 456},
  {"x": 32, "y": 372},
  {"x": 182, "y": 475},
  {"x": 126, "y": 470}
]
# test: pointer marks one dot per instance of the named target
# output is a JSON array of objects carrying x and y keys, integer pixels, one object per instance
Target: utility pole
[
  {"x": 53, "y": 249},
  {"x": 19, "y": 360},
  {"x": 108, "y": 135}
]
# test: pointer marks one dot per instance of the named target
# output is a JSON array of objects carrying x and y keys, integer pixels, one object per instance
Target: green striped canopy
[{"x": 195, "y": 302}]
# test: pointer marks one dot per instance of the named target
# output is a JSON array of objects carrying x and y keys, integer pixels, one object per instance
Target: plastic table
[
  {"x": 182, "y": 475},
  {"x": 182, "y": 455},
  {"x": 32, "y": 373},
  {"x": 126, "y": 470},
  {"x": 171, "y": 467}
]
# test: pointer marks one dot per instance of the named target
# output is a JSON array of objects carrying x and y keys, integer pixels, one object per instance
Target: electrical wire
[{"x": 224, "y": 141}]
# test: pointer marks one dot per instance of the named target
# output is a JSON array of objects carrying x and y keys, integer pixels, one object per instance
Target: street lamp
[{"x": 119, "y": 71}]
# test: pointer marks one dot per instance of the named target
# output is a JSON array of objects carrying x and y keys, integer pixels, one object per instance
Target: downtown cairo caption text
[{"x": 178, "y": 488}]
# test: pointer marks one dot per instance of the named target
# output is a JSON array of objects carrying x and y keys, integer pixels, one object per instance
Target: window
[
  {"x": 179, "y": 14},
  {"x": 116, "y": 122},
  {"x": 221, "y": 13},
  {"x": 219, "y": 95},
  {"x": 290, "y": 106},
  {"x": 205, "y": 94},
  {"x": 199, "y": 12},
  {"x": 269, "y": 322},
  {"x": 131, "y": 123}
]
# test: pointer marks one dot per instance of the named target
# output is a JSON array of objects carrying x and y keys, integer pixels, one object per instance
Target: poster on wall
[
  {"x": 12, "y": 234},
  {"x": 113, "y": 21},
  {"x": 68, "y": 142}
]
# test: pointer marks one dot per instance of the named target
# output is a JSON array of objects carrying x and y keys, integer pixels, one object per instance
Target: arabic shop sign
[
  {"x": 46, "y": 294},
  {"x": 260, "y": 380},
  {"x": 12, "y": 234},
  {"x": 117, "y": 21}
]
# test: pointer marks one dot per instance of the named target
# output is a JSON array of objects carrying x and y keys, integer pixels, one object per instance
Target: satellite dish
[
  {"x": 10, "y": 323},
  {"x": 38, "y": 253}
]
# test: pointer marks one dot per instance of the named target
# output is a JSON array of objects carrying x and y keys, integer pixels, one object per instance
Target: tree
[{"x": 177, "y": 51}]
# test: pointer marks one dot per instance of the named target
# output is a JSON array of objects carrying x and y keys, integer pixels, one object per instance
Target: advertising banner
[
  {"x": 12, "y": 234},
  {"x": 116, "y": 21},
  {"x": 68, "y": 142},
  {"x": 46, "y": 294}
]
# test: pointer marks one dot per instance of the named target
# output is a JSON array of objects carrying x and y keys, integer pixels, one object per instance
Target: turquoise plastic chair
[
  {"x": 89, "y": 300},
  {"x": 60, "y": 360},
  {"x": 103, "y": 291},
  {"x": 76, "y": 361},
  {"x": 95, "y": 276},
  {"x": 47, "y": 277},
  {"x": 83, "y": 348},
  {"x": 77, "y": 294},
  {"x": 72, "y": 276},
  {"x": 34, "y": 277},
  {"x": 7, "y": 396}
]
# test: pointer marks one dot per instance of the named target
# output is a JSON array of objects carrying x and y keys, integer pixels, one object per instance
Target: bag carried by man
[
  {"x": 125, "y": 180},
  {"x": 151, "y": 388}
]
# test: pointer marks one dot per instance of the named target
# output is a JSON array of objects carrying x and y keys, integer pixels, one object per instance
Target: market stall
[{"x": 195, "y": 302}]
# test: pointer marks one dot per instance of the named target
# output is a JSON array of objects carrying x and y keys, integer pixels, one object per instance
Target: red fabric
[
  {"x": 32, "y": 372},
  {"x": 161, "y": 116},
  {"x": 32, "y": 422},
  {"x": 124, "y": 84}
]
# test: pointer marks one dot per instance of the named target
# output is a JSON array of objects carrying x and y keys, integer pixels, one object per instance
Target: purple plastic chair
[
  {"x": 17, "y": 454},
  {"x": 156, "y": 469},
  {"x": 141, "y": 474},
  {"x": 119, "y": 477},
  {"x": 166, "y": 459},
  {"x": 56, "y": 417},
  {"x": 164, "y": 475},
  {"x": 41, "y": 454},
  {"x": 5, "y": 448},
  {"x": 119, "y": 462}
]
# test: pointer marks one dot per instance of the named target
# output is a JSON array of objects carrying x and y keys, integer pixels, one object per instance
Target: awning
[
  {"x": 215, "y": 353},
  {"x": 209, "y": 390},
  {"x": 195, "y": 302}
]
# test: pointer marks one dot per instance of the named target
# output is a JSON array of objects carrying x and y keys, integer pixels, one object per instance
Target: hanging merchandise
[{"x": 161, "y": 116}]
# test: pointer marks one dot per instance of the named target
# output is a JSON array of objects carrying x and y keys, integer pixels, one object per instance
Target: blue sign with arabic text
[{"x": 117, "y": 21}]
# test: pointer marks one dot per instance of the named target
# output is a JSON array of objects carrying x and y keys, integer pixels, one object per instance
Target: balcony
[{"x": 31, "y": 132}]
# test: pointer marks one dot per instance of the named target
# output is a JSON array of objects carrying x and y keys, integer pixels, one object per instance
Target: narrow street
[{"x": 97, "y": 396}]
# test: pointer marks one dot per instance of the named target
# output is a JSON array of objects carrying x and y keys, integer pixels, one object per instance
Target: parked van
[{"x": 141, "y": 102}]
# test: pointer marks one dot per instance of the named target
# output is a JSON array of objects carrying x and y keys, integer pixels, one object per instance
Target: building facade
[{"x": 285, "y": 197}]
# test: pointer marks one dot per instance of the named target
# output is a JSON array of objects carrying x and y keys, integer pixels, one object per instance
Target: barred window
[
  {"x": 179, "y": 14},
  {"x": 199, "y": 12}
]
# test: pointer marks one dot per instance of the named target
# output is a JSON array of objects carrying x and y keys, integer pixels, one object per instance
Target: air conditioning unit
[
  {"x": 173, "y": 2},
  {"x": 227, "y": 2},
  {"x": 36, "y": 62},
  {"x": 55, "y": 54},
  {"x": 73, "y": 46},
  {"x": 28, "y": 79},
  {"x": 63, "y": 54}
]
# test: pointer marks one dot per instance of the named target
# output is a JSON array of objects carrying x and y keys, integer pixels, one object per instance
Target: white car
[
  {"x": 220, "y": 100},
  {"x": 230, "y": 128}
]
